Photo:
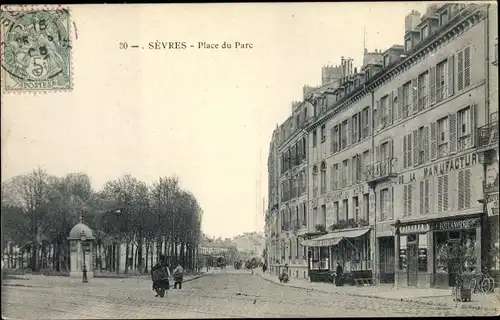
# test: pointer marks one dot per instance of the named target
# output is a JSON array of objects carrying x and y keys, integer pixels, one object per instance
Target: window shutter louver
[
  {"x": 415, "y": 148},
  {"x": 433, "y": 139},
  {"x": 426, "y": 144},
  {"x": 422, "y": 197},
  {"x": 440, "y": 194},
  {"x": 452, "y": 127},
  {"x": 445, "y": 192},
  {"x": 414, "y": 93},
  {"x": 466, "y": 67},
  {"x": 460, "y": 71},
  {"x": 369, "y": 122},
  {"x": 432, "y": 84},
  {"x": 409, "y": 146},
  {"x": 405, "y": 152},
  {"x": 467, "y": 189},
  {"x": 461, "y": 190},
  {"x": 348, "y": 138},
  {"x": 378, "y": 155},
  {"x": 400, "y": 103},
  {"x": 451, "y": 76},
  {"x": 473, "y": 125},
  {"x": 390, "y": 145}
]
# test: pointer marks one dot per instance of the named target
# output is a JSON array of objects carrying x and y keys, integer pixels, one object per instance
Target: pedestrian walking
[
  {"x": 339, "y": 280},
  {"x": 264, "y": 268},
  {"x": 178, "y": 276},
  {"x": 160, "y": 275}
]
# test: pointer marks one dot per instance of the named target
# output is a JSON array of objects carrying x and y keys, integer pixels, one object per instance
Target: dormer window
[
  {"x": 386, "y": 60},
  {"x": 443, "y": 18},
  {"x": 408, "y": 45},
  {"x": 424, "y": 32}
]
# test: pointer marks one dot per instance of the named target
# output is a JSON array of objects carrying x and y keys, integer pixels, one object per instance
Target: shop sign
[
  {"x": 384, "y": 229},
  {"x": 415, "y": 228},
  {"x": 492, "y": 204},
  {"x": 457, "y": 224}
]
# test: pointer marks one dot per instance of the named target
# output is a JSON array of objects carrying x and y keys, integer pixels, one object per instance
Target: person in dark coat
[
  {"x": 339, "y": 280},
  {"x": 160, "y": 275},
  {"x": 264, "y": 268}
]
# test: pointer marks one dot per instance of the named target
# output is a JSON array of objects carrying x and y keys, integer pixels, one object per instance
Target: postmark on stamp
[{"x": 36, "y": 50}]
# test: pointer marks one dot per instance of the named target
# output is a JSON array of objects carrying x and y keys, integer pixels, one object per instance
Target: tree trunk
[
  {"x": 182, "y": 256},
  {"x": 126, "y": 258},
  {"x": 33, "y": 257},
  {"x": 118, "y": 256},
  {"x": 176, "y": 253},
  {"x": 139, "y": 253},
  {"x": 151, "y": 254},
  {"x": 172, "y": 250},
  {"x": 147, "y": 252}
]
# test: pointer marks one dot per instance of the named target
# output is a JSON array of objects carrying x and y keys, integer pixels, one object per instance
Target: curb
[{"x": 463, "y": 306}]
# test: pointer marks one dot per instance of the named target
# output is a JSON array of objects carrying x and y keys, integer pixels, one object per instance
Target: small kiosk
[{"x": 80, "y": 242}]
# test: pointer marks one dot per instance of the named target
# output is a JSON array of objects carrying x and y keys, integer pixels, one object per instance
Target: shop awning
[{"x": 334, "y": 238}]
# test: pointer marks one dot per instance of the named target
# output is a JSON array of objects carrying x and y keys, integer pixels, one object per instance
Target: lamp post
[{"x": 83, "y": 237}]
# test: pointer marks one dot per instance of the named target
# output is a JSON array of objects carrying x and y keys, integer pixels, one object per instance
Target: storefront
[
  {"x": 350, "y": 248},
  {"x": 426, "y": 251}
]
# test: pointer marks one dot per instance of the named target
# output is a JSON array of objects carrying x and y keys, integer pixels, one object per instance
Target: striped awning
[{"x": 334, "y": 238}]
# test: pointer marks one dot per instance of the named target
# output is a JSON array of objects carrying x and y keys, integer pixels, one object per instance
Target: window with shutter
[
  {"x": 460, "y": 71},
  {"x": 414, "y": 93},
  {"x": 395, "y": 108},
  {"x": 405, "y": 201},
  {"x": 452, "y": 126},
  {"x": 400, "y": 103},
  {"x": 432, "y": 84},
  {"x": 472, "y": 125},
  {"x": 427, "y": 194},
  {"x": 461, "y": 189},
  {"x": 425, "y": 143},
  {"x": 466, "y": 67},
  {"x": 415, "y": 148},
  {"x": 450, "y": 86},
  {"x": 391, "y": 204},
  {"x": 349, "y": 172},
  {"x": 445, "y": 192},
  {"x": 377, "y": 114},
  {"x": 389, "y": 107},
  {"x": 440, "y": 194},
  {"x": 405, "y": 152},
  {"x": 422, "y": 197},
  {"x": 409, "y": 146},
  {"x": 433, "y": 140},
  {"x": 410, "y": 199},
  {"x": 467, "y": 189}
]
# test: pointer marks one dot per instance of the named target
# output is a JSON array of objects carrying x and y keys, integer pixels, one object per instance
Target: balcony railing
[
  {"x": 381, "y": 170},
  {"x": 487, "y": 136}
]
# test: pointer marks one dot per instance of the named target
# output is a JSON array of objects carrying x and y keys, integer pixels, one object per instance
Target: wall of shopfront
[
  {"x": 492, "y": 222},
  {"x": 422, "y": 261}
]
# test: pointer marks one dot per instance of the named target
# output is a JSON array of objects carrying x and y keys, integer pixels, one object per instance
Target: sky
[{"x": 205, "y": 115}]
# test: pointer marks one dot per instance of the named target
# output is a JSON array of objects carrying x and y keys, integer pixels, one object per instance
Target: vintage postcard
[{"x": 249, "y": 160}]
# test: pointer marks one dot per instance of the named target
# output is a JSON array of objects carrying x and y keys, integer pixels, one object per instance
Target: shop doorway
[
  {"x": 412, "y": 256},
  {"x": 386, "y": 263}
]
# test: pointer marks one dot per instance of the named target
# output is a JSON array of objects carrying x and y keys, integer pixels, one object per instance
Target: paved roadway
[{"x": 212, "y": 296}]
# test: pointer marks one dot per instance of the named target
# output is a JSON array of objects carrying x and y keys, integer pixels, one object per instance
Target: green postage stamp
[{"x": 35, "y": 49}]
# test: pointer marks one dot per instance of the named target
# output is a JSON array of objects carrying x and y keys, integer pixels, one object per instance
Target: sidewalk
[
  {"x": 441, "y": 297},
  {"x": 63, "y": 281}
]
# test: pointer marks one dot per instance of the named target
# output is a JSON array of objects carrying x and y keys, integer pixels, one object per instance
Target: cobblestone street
[{"x": 222, "y": 294}]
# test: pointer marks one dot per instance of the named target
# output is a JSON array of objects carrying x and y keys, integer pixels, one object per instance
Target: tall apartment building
[
  {"x": 397, "y": 151},
  {"x": 287, "y": 215}
]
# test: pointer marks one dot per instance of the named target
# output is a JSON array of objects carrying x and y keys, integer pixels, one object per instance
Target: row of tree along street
[{"x": 39, "y": 210}]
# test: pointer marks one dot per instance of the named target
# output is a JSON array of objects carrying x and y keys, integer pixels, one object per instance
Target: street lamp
[{"x": 83, "y": 237}]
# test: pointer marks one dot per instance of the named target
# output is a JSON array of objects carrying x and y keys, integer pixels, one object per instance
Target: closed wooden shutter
[
  {"x": 415, "y": 148},
  {"x": 400, "y": 103},
  {"x": 405, "y": 152},
  {"x": 451, "y": 76},
  {"x": 389, "y": 108},
  {"x": 410, "y": 149},
  {"x": 349, "y": 172},
  {"x": 422, "y": 197},
  {"x": 332, "y": 150},
  {"x": 414, "y": 93},
  {"x": 440, "y": 194},
  {"x": 378, "y": 115},
  {"x": 369, "y": 122},
  {"x": 348, "y": 137},
  {"x": 405, "y": 201},
  {"x": 467, "y": 189},
  {"x": 473, "y": 125},
  {"x": 452, "y": 127},
  {"x": 410, "y": 199},
  {"x": 433, "y": 139},
  {"x": 427, "y": 194},
  {"x": 432, "y": 85},
  {"x": 467, "y": 74},
  {"x": 391, "y": 205},
  {"x": 461, "y": 185},
  {"x": 460, "y": 71},
  {"x": 445, "y": 192},
  {"x": 425, "y": 143}
]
